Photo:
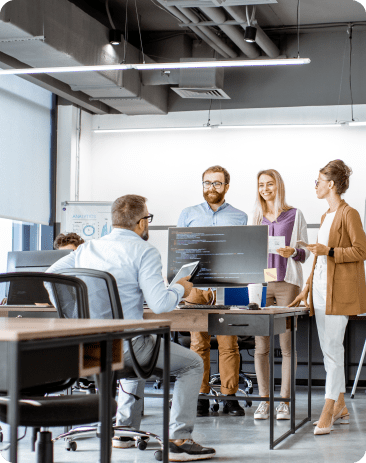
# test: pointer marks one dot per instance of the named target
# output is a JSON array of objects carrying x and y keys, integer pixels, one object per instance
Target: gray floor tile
[{"x": 240, "y": 439}]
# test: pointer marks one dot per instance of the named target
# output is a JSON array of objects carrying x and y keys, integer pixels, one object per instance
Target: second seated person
[
  {"x": 282, "y": 220},
  {"x": 215, "y": 211}
]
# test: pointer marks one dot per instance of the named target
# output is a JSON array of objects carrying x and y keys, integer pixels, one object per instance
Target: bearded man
[{"x": 215, "y": 211}]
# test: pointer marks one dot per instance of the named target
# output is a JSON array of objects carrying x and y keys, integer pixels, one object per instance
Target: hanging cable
[
  {"x": 126, "y": 36},
  {"x": 298, "y": 28},
  {"x": 209, "y": 115},
  {"x": 349, "y": 31},
  {"x": 138, "y": 24},
  {"x": 247, "y": 13},
  {"x": 109, "y": 14},
  {"x": 340, "y": 85}
]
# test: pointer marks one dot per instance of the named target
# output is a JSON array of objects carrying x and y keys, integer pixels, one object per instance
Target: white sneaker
[
  {"x": 123, "y": 442},
  {"x": 262, "y": 412},
  {"x": 283, "y": 411}
]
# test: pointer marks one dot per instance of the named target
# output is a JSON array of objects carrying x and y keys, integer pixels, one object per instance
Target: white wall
[{"x": 166, "y": 167}]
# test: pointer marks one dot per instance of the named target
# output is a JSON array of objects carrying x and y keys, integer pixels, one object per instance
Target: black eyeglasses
[
  {"x": 148, "y": 217},
  {"x": 216, "y": 185}
]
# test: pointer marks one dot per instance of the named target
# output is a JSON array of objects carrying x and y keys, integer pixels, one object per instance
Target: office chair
[
  {"x": 53, "y": 411},
  {"x": 104, "y": 302}
]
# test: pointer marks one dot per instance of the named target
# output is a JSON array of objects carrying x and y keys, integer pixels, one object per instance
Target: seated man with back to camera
[{"x": 136, "y": 266}]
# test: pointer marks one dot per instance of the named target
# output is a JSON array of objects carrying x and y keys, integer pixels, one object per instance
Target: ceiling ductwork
[
  {"x": 217, "y": 12},
  {"x": 57, "y": 33},
  {"x": 201, "y": 83}
]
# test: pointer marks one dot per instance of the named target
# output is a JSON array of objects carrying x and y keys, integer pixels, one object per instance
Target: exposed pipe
[
  {"x": 262, "y": 39},
  {"x": 233, "y": 32},
  {"x": 203, "y": 33},
  {"x": 191, "y": 15}
]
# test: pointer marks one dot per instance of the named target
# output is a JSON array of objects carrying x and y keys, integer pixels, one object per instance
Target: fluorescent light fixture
[
  {"x": 158, "y": 129},
  {"x": 159, "y": 66},
  {"x": 276, "y": 126},
  {"x": 356, "y": 123},
  {"x": 210, "y": 127}
]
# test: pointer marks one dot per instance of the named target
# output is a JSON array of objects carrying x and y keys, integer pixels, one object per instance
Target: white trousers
[{"x": 331, "y": 329}]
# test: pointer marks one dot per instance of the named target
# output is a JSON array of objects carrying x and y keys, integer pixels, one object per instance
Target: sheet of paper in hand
[{"x": 275, "y": 242}]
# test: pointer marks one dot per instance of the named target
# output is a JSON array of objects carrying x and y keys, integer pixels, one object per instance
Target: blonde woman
[
  {"x": 283, "y": 220},
  {"x": 336, "y": 286}
]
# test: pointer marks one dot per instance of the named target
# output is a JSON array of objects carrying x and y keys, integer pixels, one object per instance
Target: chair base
[
  {"x": 44, "y": 447},
  {"x": 85, "y": 432}
]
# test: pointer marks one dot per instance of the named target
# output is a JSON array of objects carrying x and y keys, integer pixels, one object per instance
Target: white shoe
[
  {"x": 283, "y": 412},
  {"x": 262, "y": 412},
  {"x": 123, "y": 442}
]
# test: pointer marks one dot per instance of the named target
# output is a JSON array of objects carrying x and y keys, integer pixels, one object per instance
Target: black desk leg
[
  {"x": 166, "y": 382},
  {"x": 271, "y": 381},
  {"x": 310, "y": 359},
  {"x": 105, "y": 415},
  {"x": 293, "y": 374},
  {"x": 13, "y": 409}
]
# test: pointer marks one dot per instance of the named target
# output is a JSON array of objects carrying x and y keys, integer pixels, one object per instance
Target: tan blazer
[{"x": 346, "y": 286}]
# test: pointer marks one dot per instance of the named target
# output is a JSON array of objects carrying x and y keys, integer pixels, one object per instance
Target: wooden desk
[
  {"x": 265, "y": 322},
  {"x": 60, "y": 342}
]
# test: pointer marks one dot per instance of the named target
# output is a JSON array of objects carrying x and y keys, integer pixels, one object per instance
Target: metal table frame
[
  {"x": 272, "y": 398},
  {"x": 17, "y": 347}
]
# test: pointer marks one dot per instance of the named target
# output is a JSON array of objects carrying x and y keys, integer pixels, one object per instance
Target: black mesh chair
[
  {"x": 104, "y": 302},
  {"x": 36, "y": 408}
]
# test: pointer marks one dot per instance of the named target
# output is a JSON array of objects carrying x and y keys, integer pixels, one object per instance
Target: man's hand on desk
[
  {"x": 302, "y": 297},
  {"x": 187, "y": 285}
]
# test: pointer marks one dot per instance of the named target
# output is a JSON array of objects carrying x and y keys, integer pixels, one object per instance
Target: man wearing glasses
[
  {"x": 136, "y": 266},
  {"x": 215, "y": 211}
]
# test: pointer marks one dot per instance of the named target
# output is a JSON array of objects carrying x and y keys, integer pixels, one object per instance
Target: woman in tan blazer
[{"x": 336, "y": 286}]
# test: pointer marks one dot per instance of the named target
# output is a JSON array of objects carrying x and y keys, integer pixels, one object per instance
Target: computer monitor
[
  {"x": 30, "y": 261},
  {"x": 229, "y": 257}
]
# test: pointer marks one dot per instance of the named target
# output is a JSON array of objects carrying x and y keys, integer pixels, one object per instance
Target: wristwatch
[
  {"x": 294, "y": 254},
  {"x": 331, "y": 252}
]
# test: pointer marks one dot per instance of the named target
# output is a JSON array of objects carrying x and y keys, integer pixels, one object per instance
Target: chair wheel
[
  {"x": 71, "y": 445},
  {"x": 158, "y": 455},
  {"x": 215, "y": 407},
  {"x": 141, "y": 444}
]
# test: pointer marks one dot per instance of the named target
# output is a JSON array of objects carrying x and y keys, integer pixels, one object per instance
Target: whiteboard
[{"x": 90, "y": 220}]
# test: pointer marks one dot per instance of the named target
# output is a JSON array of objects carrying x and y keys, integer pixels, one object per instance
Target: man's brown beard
[{"x": 213, "y": 197}]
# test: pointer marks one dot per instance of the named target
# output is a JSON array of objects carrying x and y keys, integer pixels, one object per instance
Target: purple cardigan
[{"x": 283, "y": 226}]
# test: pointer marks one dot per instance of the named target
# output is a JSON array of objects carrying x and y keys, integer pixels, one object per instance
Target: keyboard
[{"x": 209, "y": 307}]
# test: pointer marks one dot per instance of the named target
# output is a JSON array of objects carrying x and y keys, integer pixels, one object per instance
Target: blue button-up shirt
[
  {"x": 203, "y": 216},
  {"x": 136, "y": 266}
]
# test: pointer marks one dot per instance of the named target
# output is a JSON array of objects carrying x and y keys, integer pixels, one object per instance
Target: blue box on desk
[{"x": 239, "y": 296}]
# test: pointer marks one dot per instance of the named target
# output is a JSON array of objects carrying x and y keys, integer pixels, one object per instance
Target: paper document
[
  {"x": 275, "y": 242},
  {"x": 270, "y": 274}
]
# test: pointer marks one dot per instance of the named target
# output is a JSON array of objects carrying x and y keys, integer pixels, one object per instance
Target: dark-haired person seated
[
  {"x": 68, "y": 241},
  {"x": 136, "y": 266}
]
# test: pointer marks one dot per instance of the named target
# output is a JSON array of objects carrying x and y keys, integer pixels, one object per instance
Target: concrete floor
[{"x": 239, "y": 439}]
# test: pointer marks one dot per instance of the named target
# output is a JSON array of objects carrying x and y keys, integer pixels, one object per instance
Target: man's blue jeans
[{"x": 186, "y": 365}]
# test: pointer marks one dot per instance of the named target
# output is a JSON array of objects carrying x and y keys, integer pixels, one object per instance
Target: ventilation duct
[
  {"x": 182, "y": 9},
  {"x": 201, "y": 83},
  {"x": 202, "y": 93},
  {"x": 57, "y": 33}
]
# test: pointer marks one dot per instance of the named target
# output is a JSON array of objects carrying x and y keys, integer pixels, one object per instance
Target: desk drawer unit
[
  {"x": 29, "y": 314},
  {"x": 244, "y": 325}
]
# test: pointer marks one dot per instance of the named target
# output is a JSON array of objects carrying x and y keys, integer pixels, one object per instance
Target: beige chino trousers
[
  {"x": 229, "y": 357},
  {"x": 282, "y": 294}
]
